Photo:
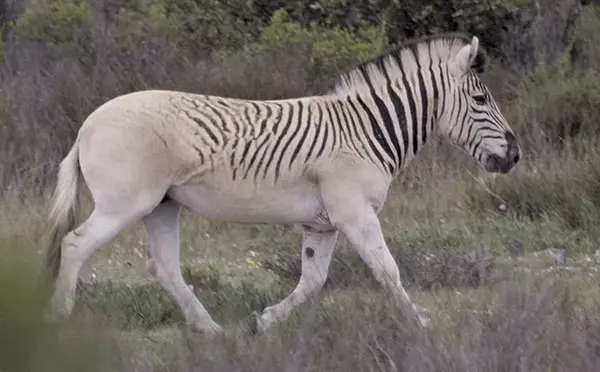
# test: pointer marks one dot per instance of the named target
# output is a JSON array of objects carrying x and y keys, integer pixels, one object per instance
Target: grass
[
  {"x": 442, "y": 221},
  {"x": 524, "y": 322},
  {"x": 447, "y": 235}
]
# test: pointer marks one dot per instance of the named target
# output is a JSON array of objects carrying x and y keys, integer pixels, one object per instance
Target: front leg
[
  {"x": 318, "y": 243},
  {"x": 357, "y": 219}
]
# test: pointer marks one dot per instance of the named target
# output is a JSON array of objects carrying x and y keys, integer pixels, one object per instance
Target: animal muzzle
[{"x": 503, "y": 164}]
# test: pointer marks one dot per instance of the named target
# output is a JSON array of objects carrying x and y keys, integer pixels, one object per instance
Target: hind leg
[
  {"x": 317, "y": 248},
  {"x": 162, "y": 227},
  {"x": 76, "y": 248}
]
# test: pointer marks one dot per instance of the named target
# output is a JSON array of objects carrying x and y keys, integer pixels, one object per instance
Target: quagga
[{"x": 324, "y": 162}]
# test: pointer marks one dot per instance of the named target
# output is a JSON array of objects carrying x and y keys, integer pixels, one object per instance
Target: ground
[{"x": 490, "y": 310}]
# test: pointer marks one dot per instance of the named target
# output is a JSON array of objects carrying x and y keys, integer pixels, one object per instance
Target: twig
[{"x": 487, "y": 189}]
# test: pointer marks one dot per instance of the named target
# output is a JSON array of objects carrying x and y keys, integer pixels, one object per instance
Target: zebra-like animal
[{"x": 325, "y": 162}]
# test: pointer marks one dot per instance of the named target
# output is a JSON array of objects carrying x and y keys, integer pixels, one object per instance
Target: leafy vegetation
[{"x": 447, "y": 224}]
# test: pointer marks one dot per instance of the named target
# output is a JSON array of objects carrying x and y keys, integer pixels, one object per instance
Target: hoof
[{"x": 253, "y": 323}]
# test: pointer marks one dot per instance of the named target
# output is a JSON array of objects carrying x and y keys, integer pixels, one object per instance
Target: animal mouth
[{"x": 497, "y": 164}]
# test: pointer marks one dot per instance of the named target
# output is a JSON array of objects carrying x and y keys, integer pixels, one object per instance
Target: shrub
[
  {"x": 333, "y": 48},
  {"x": 557, "y": 104},
  {"x": 61, "y": 24},
  {"x": 153, "y": 20},
  {"x": 585, "y": 52}
]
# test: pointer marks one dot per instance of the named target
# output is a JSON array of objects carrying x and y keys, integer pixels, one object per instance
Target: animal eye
[{"x": 479, "y": 99}]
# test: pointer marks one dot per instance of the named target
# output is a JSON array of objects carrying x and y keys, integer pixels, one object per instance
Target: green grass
[{"x": 441, "y": 224}]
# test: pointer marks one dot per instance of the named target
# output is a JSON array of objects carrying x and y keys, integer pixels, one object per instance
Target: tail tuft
[{"x": 63, "y": 210}]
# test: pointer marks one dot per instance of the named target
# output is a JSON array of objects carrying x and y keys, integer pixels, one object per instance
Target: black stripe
[
  {"x": 377, "y": 130},
  {"x": 232, "y": 115},
  {"x": 413, "y": 109},
  {"x": 378, "y": 136},
  {"x": 325, "y": 136},
  {"x": 344, "y": 125},
  {"x": 292, "y": 137},
  {"x": 216, "y": 125},
  {"x": 463, "y": 120},
  {"x": 260, "y": 162},
  {"x": 308, "y": 123},
  {"x": 279, "y": 138},
  {"x": 255, "y": 154},
  {"x": 389, "y": 124},
  {"x": 232, "y": 158},
  {"x": 400, "y": 110},
  {"x": 352, "y": 130},
  {"x": 436, "y": 93},
  {"x": 335, "y": 133},
  {"x": 318, "y": 125},
  {"x": 256, "y": 109},
  {"x": 458, "y": 105},
  {"x": 424, "y": 107},
  {"x": 277, "y": 120},
  {"x": 476, "y": 147},
  {"x": 443, "y": 75},
  {"x": 263, "y": 123},
  {"x": 203, "y": 125},
  {"x": 199, "y": 151},
  {"x": 248, "y": 123},
  {"x": 246, "y": 149},
  {"x": 218, "y": 114}
]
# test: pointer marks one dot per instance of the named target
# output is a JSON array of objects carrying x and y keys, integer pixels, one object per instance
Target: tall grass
[{"x": 446, "y": 222}]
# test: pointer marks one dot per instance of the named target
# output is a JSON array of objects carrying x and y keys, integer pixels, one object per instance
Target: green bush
[
  {"x": 153, "y": 20},
  {"x": 557, "y": 104},
  {"x": 55, "y": 22},
  {"x": 586, "y": 48},
  {"x": 333, "y": 48}
]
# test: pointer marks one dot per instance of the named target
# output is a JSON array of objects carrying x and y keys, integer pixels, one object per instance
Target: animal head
[{"x": 471, "y": 119}]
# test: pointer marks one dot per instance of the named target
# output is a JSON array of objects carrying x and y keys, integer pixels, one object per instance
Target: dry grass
[
  {"x": 525, "y": 322},
  {"x": 441, "y": 221}
]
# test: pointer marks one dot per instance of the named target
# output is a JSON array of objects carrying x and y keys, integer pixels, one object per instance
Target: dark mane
[{"x": 446, "y": 40}]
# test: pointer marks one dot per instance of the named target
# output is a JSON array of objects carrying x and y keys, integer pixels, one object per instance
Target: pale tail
[{"x": 63, "y": 210}]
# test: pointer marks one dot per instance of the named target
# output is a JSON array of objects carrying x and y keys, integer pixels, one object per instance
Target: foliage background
[{"x": 60, "y": 59}]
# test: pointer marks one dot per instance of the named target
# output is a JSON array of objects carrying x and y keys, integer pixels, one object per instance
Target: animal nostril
[{"x": 514, "y": 153}]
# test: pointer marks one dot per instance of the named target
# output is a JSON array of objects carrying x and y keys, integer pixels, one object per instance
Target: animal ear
[{"x": 465, "y": 58}]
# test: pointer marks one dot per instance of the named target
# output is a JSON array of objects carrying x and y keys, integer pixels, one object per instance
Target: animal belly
[{"x": 298, "y": 205}]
